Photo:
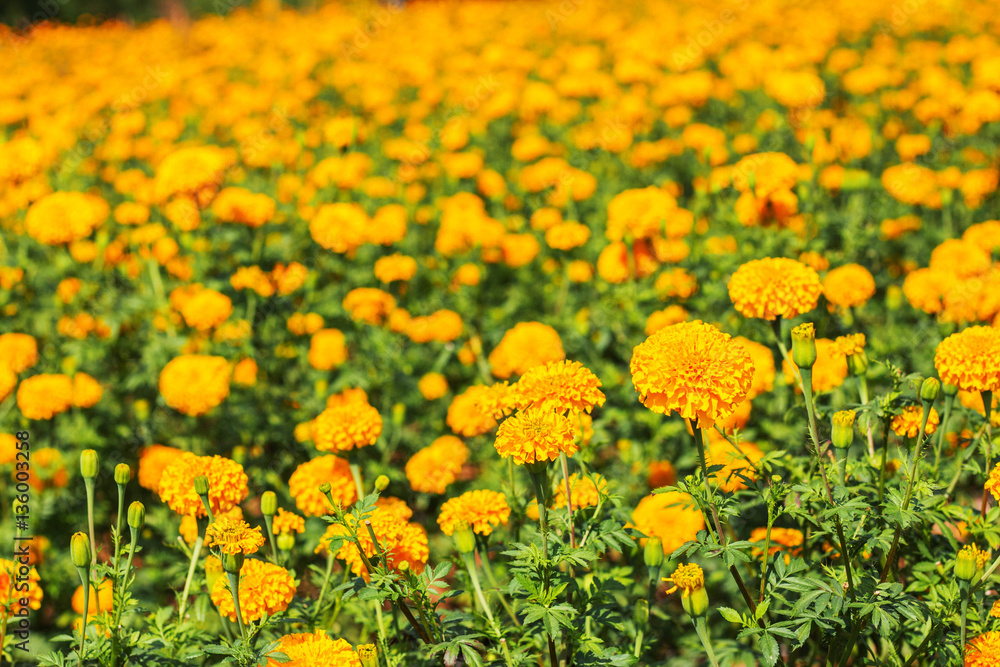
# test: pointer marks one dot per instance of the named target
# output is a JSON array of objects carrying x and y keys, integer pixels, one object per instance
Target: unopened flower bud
[
  {"x": 696, "y": 604},
  {"x": 79, "y": 550},
  {"x": 970, "y": 560},
  {"x": 201, "y": 485},
  {"x": 122, "y": 474},
  {"x": 324, "y": 488},
  {"x": 804, "y": 345},
  {"x": 949, "y": 389},
  {"x": 268, "y": 503},
  {"x": 653, "y": 552},
  {"x": 381, "y": 483},
  {"x": 843, "y": 429},
  {"x": 136, "y": 515},
  {"x": 464, "y": 538},
  {"x": 929, "y": 389},
  {"x": 286, "y": 541},
  {"x": 89, "y": 463},
  {"x": 857, "y": 363},
  {"x": 233, "y": 563},
  {"x": 404, "y": 566},
  {"x": 640, "y": 613}
]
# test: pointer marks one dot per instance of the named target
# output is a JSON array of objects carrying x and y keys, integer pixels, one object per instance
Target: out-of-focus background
[{"x": 22, "y": 13}]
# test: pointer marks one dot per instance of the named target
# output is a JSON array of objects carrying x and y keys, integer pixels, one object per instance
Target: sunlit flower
[
  {"x": 345, "y": 427},
  {"x": 672, "y": 517},
  {"x": 535, "y": 435},
  {"x": 848, "y": 285},
  {"x": 195, "y": 383},
  {"x": 233, "y": 536},
  {"x": 227, "y": 484},
  {"x": 305, "y": 481},
  {"x": 315, "y": 650},
  {"x": 264, "y": 590},
  {"x": 527, "y": 345},
  {"x": 907, "y": 423},
  {"x": 482, "y": 509},
  {"x": 434, "y": 467},
  {"x": 970, "y": 359},
  {"x": 774, "y": 287},
  {"x": 563, "y": 386}
]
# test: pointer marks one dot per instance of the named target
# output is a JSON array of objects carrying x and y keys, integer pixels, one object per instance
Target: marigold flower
[
  {"x": 535, "y": 435},
  {"x": 475, "y": 411},
  {"x": 10, "y": 600},
  {"x": 661, "y": 473},
  {"x": 243, "y": 207},
  {"x": 688, "y": 578},
  {"x": 850, "y": 344},
  {"x": 661, "y": 319},
  {"x": 848, "y": 285},
  {"x": 788, "y": 540},
  {"x": 401, "y": 540},
  {"x": 563, "y": 386},
  {"x": 567, "y": 235},
  {"x": 585, "y": 491},
  {"x": 245, "y": 372},
  {"x": 327, "y": 349},
  {"x": 264, "y": 590},
  {"x": 153, "y": 460},
  {"x": 368, "y": 304},
  {"x": 969, "y": 359},
  {"x": 737, "y": 461},
  {"x": 101, "y": 598},
  {"x": 482, "y": 509},
  {"x": 44, "y": 396},
  {"x": 86, "y": 391},
  {"x": 774, "y": 287},
  {"x": 189, "y": 524},
  {"x": 64, "y": 217},
  {"x": 191, "y": 171},
  {"x": 907, "y": 423},
  {"x": 526, "y": 345},
  {"x": 694, "y": 369},
  {"x": 233, "y": 536},
  {"x": 671, "y": 516},
  {"x": 287, "y": 522},
  {"x": 339, "y": 227},
  {"x": 639, "y": 213},
  {"x": 344, "y": 427},
  {"x": 432, "y": 386},
  {"x": 983, "y": 651},
  {"x": 305, "y": 481},
  {"x": 194, "y": 383},
  {"x": 434, "y": 467},
  {"x": 18, "y": 351},
  {"x": 763, "y": 366},
  {"x": 315, "y": 650},
  {"x": 227, "y": 484},
  {"x": 395, "y": 267},
  {"x": 207, "y": 309}
]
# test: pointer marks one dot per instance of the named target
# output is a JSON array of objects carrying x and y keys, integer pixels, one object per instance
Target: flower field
[{"x": 503, "y": 334}]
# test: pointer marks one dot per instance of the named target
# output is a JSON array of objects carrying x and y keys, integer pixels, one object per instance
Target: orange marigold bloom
[
  {"x": 692, "y": 368},
  {"x": 737, "y": 461},
  {"x": 661, "y": 319},
  {"x": 63, "y": 217},
  {"x": 436, "y": 466},
  {"x": 101, "y": 599},
  {"x": 191, "y": 171},
  {"x": 482, "y": 509},
  {"x": 788, "y": 540},
  {"x": 289, "y": 278},
  {"x": 395, "y": 267},
  {"x": 535, "y": 435},
  {"x": 401, "y": 540},
  {"x": 829, "y": 371},
  {"x": 527, "y": 344},
  {"x": 287, "y": 522},
  {"x": 567, "y": 235},
  {"x": 925, "y": 289},
  {"x": 850, "y": 344},
  {"x": 983, "y": 651},
  {"x": 233, "y": 536},
  {"x": 774, "y": 287},
  {"x": 207, "y": 309},
  {"x": 8, "y": 448},
  {"x": 475, "y": 411},
  {"x": 8, "y": 380},
  {"x": 339, "y": 227},
  {"x": 86, "y": 391},
  {"x": 194, "y": 383},
  {"x": 305, "y": 481},
  {"x": 44, "y": 396},
  {"x": 661, "y": 473},
  {"x": 153, "y": 460},
  {"x": 563, "y": 386},
  {"x": 849, "y": 285},
  {"x": 969, "y": 359},
  {"x": 368, "y": 304},
  {"x": 907, "y": 423},
  {"x": 245, "y": 372},
  {"x": 227, "y": 484},
  {"x": 10, "y": 600},
  {"x": 189, "y": 524},
  {"x": 265, "y": 590},
  {"x": 327, "y": 349},
  {"x": 243, "y": 207},
  {"x": 585, "y": 491},
  {"x": 675, "y": 283},
  {"x": 18, "y": 351},
  {"x": 639, "y": 213},
  {"x": 432, "y": 386},
  {"x": 672, "y": 516},
  {"x": 315, "y": 650},
  {"x": 344, "y": 427},
  {"x": 763, "y": 366}
]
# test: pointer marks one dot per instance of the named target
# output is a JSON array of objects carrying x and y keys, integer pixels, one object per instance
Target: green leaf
[{"x": 730, "y": 615}]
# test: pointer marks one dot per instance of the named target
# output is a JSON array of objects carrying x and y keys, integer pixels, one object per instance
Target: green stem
[
  {"x": 495, "y": 586},
  {"x": 569, "y": 495},
  {"x": 89, "y": 484},
  {"x": 988, "y": 410},
  {"x": 234, "y": 585},
  {"x": 470, "y": 566},
  {"x": 767, "y": 550},
  {"x": 190, "y": 575},
  {"x": 356, "y": 474},
  {"x": 322, "y": 590},
  {"x": 638, "y": 643},
  {"x": 268, "y": 521},
  {"x": 949, "y": 401},
  {"x": 84, "y": 573},
  {"x": 851, "y": 641},
  {"x": 963, "y": 618},
  {"x": 706, "y": 640}
]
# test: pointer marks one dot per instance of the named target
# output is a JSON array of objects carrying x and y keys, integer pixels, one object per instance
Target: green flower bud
[
  {"x": 640, "y": 614},
  {"x": 968, "y": 562},
  {"x": 804, "y": 345},
  {"x": 201, "y": 485},
  {"x": 136, "y": 515},
  {"x": 286, "y": 541},
  {"x": 464, "y": 538},
  {"x": 268, "y": 503},
  {"x": 653, "y": 552},
  {"x": 398, "y": 413},
  {"x": 368, "y": 655},
  {"x": 233, "y": 563},
  {"x": 90, "y": 463},
  {"x": 857, "y": 363},
  {"x": 381, "y": 483},
  {"x": 949, "y": 389},
  {"x": 843, "y": 429},
  {"x": 929, "y": 389},
  {"x": 122, "y": 474},
  {"x": 324, "y": 488},
  {"x": 696, "y": 604},
  {"x": 79, "y": 550}
]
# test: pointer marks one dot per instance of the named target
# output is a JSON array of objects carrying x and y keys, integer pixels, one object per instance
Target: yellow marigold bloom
[
  {"x": 8, "y": 448},
  {"x": 432, "y": 386},
  {"x": 233, "y": 536},
  {"x": 639, "y": 213},
  {"x": 850, "y": 344},
  {"x": 687, "y": 577},
  {"x": 402, "y": 541},
  {"x": 961, "y": 258},
  {"x": 468, "y": 275},
  {"x": 305, "y": 481},
  {"x": 774, "y": 287},
  {"x": 907, "y": 423},
  {"x": 763, "y": 366},
  {"x": 585, "y": 491},
  {"x": 925, "y": 289},
  {"x": 563, "y": 386},
  {"x": 191, "y": 171},
  {"x": 327, "y": 349},
  {"x": 207, "y": 309},
  {"x": 243, "y": 207},
  {"x": 195, "y": 383},
  {"x": 86, "y": 391},
  {"x": 287, "y": 522},
  {"x": 153, "y": 460},
  {"x": 47, "y": 469},
  {"x": 44, "y": 396},
  {"x": 342, "y": 428},
  {"x": 10, "y": 599},
  {"x": 788, "y": 540},
  {"x": 986, "y": 235},
  {"x": 829, "y": 371},
  {"x": 254, "y": 278},
  {"x": 368, "y": 304},
  {"x": 567, "y": 235},
  {"x": 737, "y": 462},
  {"x": 339, "y": 227},
  {"x": 970, "y": 359},
  {"x": 995, "y": 609},
  {"x": 692, "y": 368},
  {"x": 973, "y": 400},
  {"x": 388, "y": 225},
  {"x": 227, "y": 484},
  {"x": 436, "y": 466},
  {"x": 288, "y": 279},
  {"x": 189, "y": 524},
  {"x": 442, "y": 325},
  {"x": 18, "y": 351},
  {"x": 535, "y": 435},
  {"x": 983, "y": 651},
  {"x": 101, "y": 598},
  {"x": 245, "y": 372},
  {"x": 8, "y": 380},
  {"x": 63, "y": 217},
  {"x": 301, "y": 324},
  {"x": 315, "y": 650},
  {"x": 474, "y": 411},
  {"x": 526, "y": 345},
  {"x": 580, "y": 271},
  {"x": 395, "y": 267},
  {"x": 482, "y": 509},
  {"x": 351, "y": 396},
  {"x": 265, "y": 590},
  {"x": 993, "y": 483},
  {"x": 661, "y": 319},
  {"x": 672, "y": 517},
  {"x": 661, "y": 473},
  {"x": 848, "y": 285}
]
